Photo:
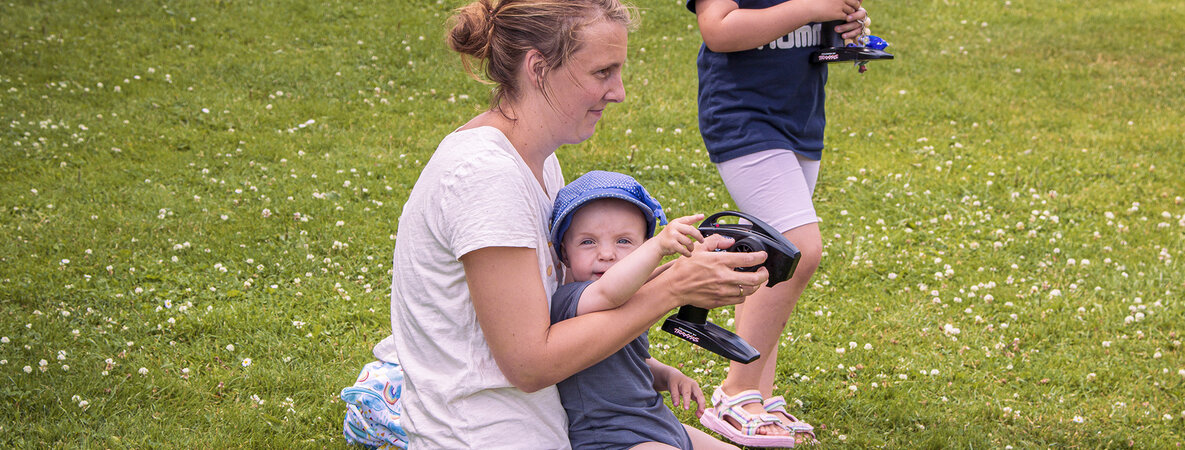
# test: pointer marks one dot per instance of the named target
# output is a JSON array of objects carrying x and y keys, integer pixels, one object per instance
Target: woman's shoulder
[
  {"x": 477, "y": 158},
  {"x": 478, "y": 142},
  {"x": 473, "y": 147}
]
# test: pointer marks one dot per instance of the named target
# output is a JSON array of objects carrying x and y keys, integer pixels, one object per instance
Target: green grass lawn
[{"x": 198, "y": 203}]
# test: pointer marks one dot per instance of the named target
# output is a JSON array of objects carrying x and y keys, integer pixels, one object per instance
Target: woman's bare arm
[{"x": 512, "y": 309}]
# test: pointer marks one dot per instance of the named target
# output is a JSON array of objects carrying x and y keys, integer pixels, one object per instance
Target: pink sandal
[
  {"x": 724, "y": 406},
  {"x": 777, "y": 404}
]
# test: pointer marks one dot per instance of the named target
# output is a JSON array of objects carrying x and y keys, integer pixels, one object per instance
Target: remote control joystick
[{"x": 691, "y": 323}]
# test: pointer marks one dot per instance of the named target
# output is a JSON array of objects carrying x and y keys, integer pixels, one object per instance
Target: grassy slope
[{"x": 1034, "y": 148}]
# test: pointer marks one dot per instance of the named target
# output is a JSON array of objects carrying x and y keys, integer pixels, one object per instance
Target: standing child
[
  {"x": 616, "y": 403},
  {"x": 761, "y": 117}
]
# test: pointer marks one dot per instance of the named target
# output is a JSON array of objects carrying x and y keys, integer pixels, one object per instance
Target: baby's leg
[
  {"x": 654, "y": 446},
  {"x": 704, "y": 441}
]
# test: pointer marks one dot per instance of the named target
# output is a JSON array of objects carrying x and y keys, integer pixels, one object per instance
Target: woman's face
[{"x": 589, "y": 81}]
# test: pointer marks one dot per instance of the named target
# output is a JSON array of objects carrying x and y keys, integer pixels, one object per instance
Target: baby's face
[{"x": 601, "y": 233}]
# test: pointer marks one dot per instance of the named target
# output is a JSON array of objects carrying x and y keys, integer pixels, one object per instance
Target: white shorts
[{"x": 774, "y": 186}]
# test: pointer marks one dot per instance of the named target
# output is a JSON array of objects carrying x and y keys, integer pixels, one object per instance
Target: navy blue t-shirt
[
  {"x": 613, "y": 404},
  {"x": 765, "y": 98}
]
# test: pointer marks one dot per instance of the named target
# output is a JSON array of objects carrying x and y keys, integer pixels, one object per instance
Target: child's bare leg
[
  {"x": 652, "y": 446},
  {"x": 771, "y": 309},
  {"x": 769, "y": 374},
  {"x": 704, "y": 441}
]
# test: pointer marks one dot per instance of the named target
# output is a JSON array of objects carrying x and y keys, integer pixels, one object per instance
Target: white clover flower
[
  {"x": 230, "y": 347},
  {"x": 143, "y": 371},
  {"x": 28, "y": 369}
]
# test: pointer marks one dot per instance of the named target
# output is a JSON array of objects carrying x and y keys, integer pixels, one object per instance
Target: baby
[{"x": 601, "y": 225}]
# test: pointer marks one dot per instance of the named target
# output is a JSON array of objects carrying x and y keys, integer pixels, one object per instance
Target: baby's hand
[
  {"x": 685, "y": 390},
  {"x": 680, "y": 235}
]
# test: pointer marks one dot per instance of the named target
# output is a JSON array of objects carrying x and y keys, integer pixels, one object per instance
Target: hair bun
[{"x": 470, "y": 32}]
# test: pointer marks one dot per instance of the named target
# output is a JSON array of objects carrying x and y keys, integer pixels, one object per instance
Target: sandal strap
[
  {"x": 777, "y": 404},
  {"x": 719, "y": 398},
  {"x": 732, "y": 406}
]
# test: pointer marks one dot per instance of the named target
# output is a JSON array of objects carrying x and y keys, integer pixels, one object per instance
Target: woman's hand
[{"x": 709, "y": 279}]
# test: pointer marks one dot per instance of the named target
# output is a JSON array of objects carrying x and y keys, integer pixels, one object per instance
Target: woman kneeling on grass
[{"x": 474, "y": 267}]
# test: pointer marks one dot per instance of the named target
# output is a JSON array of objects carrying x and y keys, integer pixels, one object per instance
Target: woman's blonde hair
[{"x": 499, "y": 33}]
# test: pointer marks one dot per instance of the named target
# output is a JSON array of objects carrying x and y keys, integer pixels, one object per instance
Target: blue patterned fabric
[
  {"x": 373, "y": 407},
  {"x": 596, "y": 185}
]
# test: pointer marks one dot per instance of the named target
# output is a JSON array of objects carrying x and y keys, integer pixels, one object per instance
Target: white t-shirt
[{"x": 475, "y": 192}]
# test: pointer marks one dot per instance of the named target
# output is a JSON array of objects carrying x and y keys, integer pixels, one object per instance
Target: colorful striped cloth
[{"x": 373, "y": 408}]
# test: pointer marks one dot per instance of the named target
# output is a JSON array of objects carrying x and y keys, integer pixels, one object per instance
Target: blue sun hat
[{"x": 596, "y": 185}]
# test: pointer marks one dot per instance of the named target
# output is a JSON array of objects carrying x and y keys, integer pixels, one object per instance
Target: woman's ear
[{"x": 535, "y": 68}]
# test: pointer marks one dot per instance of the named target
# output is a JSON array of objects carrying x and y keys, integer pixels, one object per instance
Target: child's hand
[
  {"x": 679, "y": 235},
  {"x": 856, "y": 25},
  {"x": 829, "y": 10},
  {"x": 685, "y": 390}
]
